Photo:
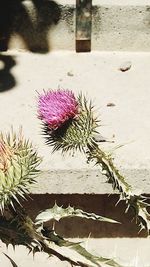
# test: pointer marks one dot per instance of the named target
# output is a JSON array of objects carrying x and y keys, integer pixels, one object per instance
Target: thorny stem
[
  {"x": 17, "y": 228},
  {"x": 136, "y": 202}
]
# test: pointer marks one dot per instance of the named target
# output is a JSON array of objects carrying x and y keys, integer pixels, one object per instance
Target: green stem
[{"x": 136, "y": 202}]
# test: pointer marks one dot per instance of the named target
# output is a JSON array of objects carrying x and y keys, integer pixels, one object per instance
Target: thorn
[
  {"x": 136, "y": 259},
  {"x": 115, "y": 251},
  {"x": 118, "y": 201},
  {"x": 126, "y": 210},
  {"x": 53, "y": 227},
  {"x": 141, "y": 228},
  {"x": 87, "y": 241}
]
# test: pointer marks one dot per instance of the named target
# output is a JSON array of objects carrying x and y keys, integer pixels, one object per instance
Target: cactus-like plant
[
  {"x": 79, "y": 132},
  {"x": 18, "y": 166}
]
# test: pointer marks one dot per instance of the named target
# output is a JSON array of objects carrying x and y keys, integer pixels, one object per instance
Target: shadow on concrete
[
  {"x": 7, "y": 80},
  {"x": 31, "y": 20},
  {"x": 100, "y": 204}
]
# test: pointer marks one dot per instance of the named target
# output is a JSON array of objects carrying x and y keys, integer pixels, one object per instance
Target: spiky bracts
[
  {"x": 79, "y": 133},
  {"x": 18, "y": 166}
]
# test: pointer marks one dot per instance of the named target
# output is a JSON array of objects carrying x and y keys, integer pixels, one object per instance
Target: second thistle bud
[{"x": 18, "y": 166}]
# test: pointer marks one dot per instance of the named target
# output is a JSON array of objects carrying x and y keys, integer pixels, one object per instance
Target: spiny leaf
[
  {"x": 58, "y": 213},
  {"x": 17, "y": 228},
  {"x": 76, "y": 246}
]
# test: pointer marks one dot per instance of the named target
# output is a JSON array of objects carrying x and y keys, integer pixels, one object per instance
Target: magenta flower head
[{"x": 57, "y": 107}]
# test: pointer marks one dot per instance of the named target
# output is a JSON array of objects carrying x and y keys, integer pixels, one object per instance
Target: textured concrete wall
[
  {"x": 41, "y": 26},
  {"x": 119, "y": 27}
]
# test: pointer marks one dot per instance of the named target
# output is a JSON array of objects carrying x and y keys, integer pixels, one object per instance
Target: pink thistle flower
[{"x": 57, "y": 107}]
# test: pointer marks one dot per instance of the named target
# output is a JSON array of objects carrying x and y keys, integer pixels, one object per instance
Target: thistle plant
[
  {"x": 18, "y": 167},
  {"x": 75, "y": 127},
  {"x": 19, "y": 163}
]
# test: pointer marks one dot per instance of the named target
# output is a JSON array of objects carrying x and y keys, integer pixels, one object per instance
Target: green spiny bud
[{"x": 18, "y": 166}]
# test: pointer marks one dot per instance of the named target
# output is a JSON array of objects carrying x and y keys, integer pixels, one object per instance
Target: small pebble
[
  {"x": 125, "y": 66},
  {"x": 111, "y": 105},
  {"x": 69, "y": 73}
]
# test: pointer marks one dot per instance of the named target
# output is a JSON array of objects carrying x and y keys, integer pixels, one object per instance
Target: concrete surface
[
  {"x": 116, "y": 25},
  {"x": 121, "y": 27},
  {"x": 126, "y": 122},
  {"x": 97, "y": 75},
  {"x": 116, "y": 2},
  {"x": 126, "y": 251},
  {"x": 88, "y": 180}
]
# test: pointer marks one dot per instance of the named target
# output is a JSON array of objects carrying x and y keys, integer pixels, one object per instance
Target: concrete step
[
  {"x": 97, "y": 74},
  {"x": 88, "y": 181},
  {"x": 116, "y": 25},
  {"x": 128, "y": 252}
]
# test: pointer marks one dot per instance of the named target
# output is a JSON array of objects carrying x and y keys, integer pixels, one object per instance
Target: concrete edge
[
  {"x": 87, "y": 181},
  {"x": 121, "y": 2}
]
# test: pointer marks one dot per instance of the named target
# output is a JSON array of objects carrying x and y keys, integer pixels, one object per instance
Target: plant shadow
[
  {"x": 31, "y": 21},
  {"x": 7, "y": 80},
  {"x": 78, "y": 227}
]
